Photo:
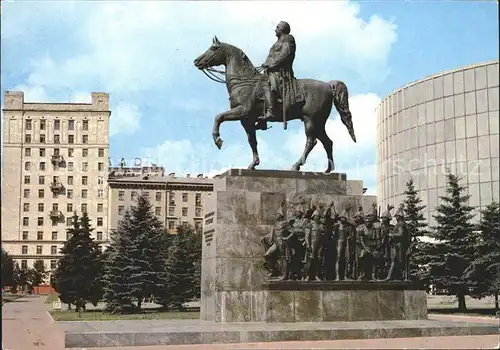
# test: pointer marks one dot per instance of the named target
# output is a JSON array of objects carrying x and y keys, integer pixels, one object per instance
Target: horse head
[{"x": 214, "y": 56}]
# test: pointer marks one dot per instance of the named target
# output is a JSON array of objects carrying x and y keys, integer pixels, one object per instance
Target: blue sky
[{"x": 163, "y": 108}]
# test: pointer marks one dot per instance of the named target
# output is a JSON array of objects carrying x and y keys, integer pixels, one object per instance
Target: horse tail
[{"x": 341, "y": 102}]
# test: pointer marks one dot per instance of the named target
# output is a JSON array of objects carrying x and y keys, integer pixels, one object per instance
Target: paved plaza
[{"x": 26, "y": 325}]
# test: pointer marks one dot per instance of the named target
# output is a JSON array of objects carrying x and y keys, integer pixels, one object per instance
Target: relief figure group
[{"x": 317, "y": 243}]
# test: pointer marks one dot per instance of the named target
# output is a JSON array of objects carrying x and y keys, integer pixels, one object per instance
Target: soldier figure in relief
[
  {"x": 386, "y": 228},
  {"x": 372, "y": 242},
  {"x": 279, "y": 247},
  {"x": 399, "y": 249},
  {"x": 344, "y": 233},
  {"x": 314, "y": 246},
  {"x": 279, "y": 67},
  {"x": 355, "y": 244},
  {"x": 296, "y": 241}
]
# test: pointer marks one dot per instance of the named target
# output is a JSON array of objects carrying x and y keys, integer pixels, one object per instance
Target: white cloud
[
  {"x": 126, "y": 47},
  {"x": 126, "y": 120},
  {"x": 134, "y": 45},
  {"x": 33, "y": 93}
]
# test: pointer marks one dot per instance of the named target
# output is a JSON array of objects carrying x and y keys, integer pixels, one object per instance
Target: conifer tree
[
  {"x": 7, "y": 269},
  {"x": 119, "y": 266},
  {"x": 417, "y": 226},
  {"x": 38, "y": 273},
  {"x": 180, "y": 270},
  {"x": 484, "y": 272},
  {"x": 450, "y": 257},
  {"x": 138, "y": 253},
  {"x": 79, "y": 269}
]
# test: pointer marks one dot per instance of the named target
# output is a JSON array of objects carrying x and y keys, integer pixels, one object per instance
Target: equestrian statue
[{"x": 271, "y": 93}]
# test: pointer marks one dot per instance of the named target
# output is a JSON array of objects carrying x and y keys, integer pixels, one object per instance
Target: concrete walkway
[
  {"x": 26, "y": 325},
  {"x": 464, "y": 342}
]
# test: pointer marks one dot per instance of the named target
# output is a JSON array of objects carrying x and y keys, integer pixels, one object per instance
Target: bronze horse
[{"x": 244, "y": 82}]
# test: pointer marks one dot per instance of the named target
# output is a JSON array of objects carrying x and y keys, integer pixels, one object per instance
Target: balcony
[
  {"x": 55, "y": 214},
  {"x": 56, "y": 186},
  {"x": 57, "y": 159}
]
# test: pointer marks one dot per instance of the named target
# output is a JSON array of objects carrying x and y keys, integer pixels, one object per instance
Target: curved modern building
[{"x": 449, "y": 120}]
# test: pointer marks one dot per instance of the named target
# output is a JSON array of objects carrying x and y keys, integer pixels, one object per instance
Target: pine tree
[
  {"x": 136, "y": 266},
  {"x": 484, "y": 272},
  {"x": 195, "y": 251},
  {"x": 79, "y": 269},
  {"x": 38, "y": 273},
  {"x": 119, "y": 266},
  {"x": 150, "y": 250},
  {"x": 7, "y": 270},
  {"x": 180, "y": 270},
  {"x": 450, "y": 257},
  {"x": 417, "y": 227},
  {"x": 16, "y": 278}
]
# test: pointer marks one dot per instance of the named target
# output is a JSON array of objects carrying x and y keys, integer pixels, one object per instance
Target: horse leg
[
  {"x": 328, "y": 145},
  {"x": 310, "y": 143},
  {"x": 252, "y": 140},
  {"x": 231, "y": 115}
]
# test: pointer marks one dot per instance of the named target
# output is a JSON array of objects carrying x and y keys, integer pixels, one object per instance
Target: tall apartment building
[
  {"x": 175, "y": 200},
  {"x": 55, "y": 162}
]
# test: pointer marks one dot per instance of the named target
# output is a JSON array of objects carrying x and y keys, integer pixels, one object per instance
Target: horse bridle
[{"x": 211, "y": 73}]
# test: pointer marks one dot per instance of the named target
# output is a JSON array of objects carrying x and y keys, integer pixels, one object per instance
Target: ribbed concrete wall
[{"x": 449, "y": 120}]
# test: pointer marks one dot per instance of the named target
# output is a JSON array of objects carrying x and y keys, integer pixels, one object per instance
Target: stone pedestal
[
  {"x": 328, "y": 301},
  {"x": 237, "y": 215}
]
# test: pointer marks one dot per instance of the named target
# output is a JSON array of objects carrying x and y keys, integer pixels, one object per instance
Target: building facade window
[
  {"x": 99, "y": 221},
  {"x": 24, "y": 250},
  {"x": 53, "y": 264},
  {"x": 26, "y": 207},
  {"x": 40, "y": 221},
  {"x": 158, "y": 196},
  {"x": 185, "y": 197},
  {"x": 54, "y": 235},
  {"x": 24, "y": 264},
  {"x": 40, "y": 207},
  {"x": 27, "y": 152},
  {"x": 25, "y": 235},
  {"x": 184, "y": 211},
  {"x": 121, "y": 195},
  {"x": 41, "y": 180},
  {"x": 121, "y": 210},
  {"x": 39, "y": 235},
  {"x": 71, "y": 124},
  {"x": 100, "y": 208},
  {"x": 71, "y": 140},
  {"x": 26, "y": 221},
  {"x": 26, "y": 193},
  {"x": 99, "y": 235},
  {"x": 38, "y": 250},
  {"x": 27, "y": 166},
  {"x": 158, "y": 211},
  {"x": 100, "y": 152},
  {"x": 53, "y": 250}
]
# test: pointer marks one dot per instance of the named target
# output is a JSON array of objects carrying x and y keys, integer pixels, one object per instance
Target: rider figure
[{"x": 279, "y": 67}]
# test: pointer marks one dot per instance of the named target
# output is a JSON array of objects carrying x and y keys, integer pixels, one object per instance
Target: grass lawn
[
  {"x": 98, "y": 315},
  {"x": 51, "y": 298},
  {"x": 7, "y": 297},
  {"x": 482, "y": 312}
]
